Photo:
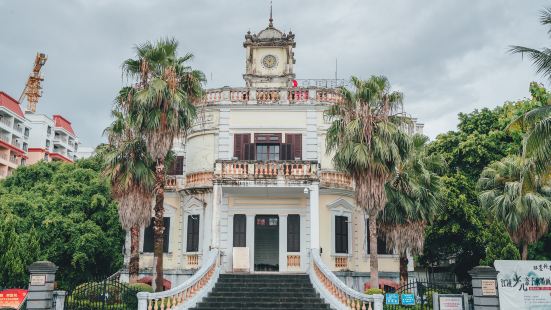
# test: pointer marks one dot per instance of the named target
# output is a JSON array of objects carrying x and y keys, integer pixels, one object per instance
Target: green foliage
[
  {"x": 141, "y": 287},
  {"x": 372, "y": 291},
  {"x": 463, "y": 232},
  {"x": 62, "y": 213}
]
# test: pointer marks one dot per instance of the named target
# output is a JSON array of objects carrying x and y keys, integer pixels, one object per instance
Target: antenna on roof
[{"x": 271, "y": 19}]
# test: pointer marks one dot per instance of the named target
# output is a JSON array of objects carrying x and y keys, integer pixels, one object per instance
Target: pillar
[
  {"x": 378, "y": 302},
  {"x": 250, "y": 240},
  {"x": 41, "y": 285},
  {"x": 485, "y": 293},
  {"x": 216, "y": 202},
  {"x": 283, "y": 242},
  {"x": 314, "y": 217},
  {"x": 59, "y": 297}
]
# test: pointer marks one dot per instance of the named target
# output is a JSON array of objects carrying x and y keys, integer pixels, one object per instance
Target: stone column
[
  {"x": 59, "y": 297},
  {"x": 314, "y": 217},
  {"x": 250, "y": 240},
  {"x": 216, "y": 202},
  {"x": 378, "y": 302},
  {"x": 41, "y": 285},
  {"x": 485, "y": 292},
  {"x": 283, "y": 242}
]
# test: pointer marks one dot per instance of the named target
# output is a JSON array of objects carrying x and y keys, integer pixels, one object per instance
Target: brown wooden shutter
[
  {"x": 285, "y": 151},
  {"x": 295, "y": 139},
  {"x": 177, "y": 166},
  {"x": 239, "y": 141},
  {"x": 250, "y": 151}
]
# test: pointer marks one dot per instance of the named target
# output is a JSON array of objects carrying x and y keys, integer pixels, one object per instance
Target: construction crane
[{"x": 33, "y": 89}]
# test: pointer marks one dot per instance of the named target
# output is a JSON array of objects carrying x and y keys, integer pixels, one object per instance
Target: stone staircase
[{"x": 274, "y": 291}]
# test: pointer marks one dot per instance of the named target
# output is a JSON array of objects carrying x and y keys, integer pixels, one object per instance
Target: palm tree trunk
[
  {"x": 134, "y": 264},
  {"x": 373, "y": 259},
  {"x": 525, "y": 251},
  {"x": 403, "y": 269},
  {"x": 158, "y": 223}
]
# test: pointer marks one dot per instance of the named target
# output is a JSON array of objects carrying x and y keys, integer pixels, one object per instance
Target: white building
[
  {"x": 255, "y": 182},
  {"x": 14, "y": 135},
  {"x": 51, "y": 138}
]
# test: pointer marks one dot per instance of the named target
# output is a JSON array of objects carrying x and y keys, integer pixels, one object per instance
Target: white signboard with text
[{"x": 524, "y": 284}]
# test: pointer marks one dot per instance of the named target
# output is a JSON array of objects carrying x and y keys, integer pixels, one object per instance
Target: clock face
[{"x": 269, "y": 61}]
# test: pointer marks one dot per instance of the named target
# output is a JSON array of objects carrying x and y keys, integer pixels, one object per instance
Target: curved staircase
[{"x": 264, "y": 291}]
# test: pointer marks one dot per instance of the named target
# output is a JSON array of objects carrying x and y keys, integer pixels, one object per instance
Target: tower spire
[{"x": 271, "y": 19}]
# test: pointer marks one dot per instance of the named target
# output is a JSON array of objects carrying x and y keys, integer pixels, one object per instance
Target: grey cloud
[{"x": 446, "y": 56}]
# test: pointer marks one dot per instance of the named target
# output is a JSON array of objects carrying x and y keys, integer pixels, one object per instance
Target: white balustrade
[
  {"x": 281, "y": 95},
  {"x": 336, "y": 292},
  {"x": 187, "y": 294},
  {"x": 297, "y": 169}
]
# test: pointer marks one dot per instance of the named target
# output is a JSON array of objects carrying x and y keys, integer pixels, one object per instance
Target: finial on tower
[{"x": 271, "y": 19}]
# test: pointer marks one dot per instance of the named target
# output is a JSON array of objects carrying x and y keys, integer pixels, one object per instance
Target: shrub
[
  {"x": 372, "y": 291},
  {"x": 141, "y": 287}
]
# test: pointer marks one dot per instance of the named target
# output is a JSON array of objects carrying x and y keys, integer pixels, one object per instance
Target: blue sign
[
  {"x": 392, "y": 299},
  {"x": 408, "y": 299}
]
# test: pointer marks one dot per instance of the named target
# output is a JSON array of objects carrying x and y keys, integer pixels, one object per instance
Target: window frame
[
  {"x": 166, "y": 237},
  {"x": 239, "y": 237},
  {"x": 293, "y": 233},
  {"x": 195, "y": 238}
]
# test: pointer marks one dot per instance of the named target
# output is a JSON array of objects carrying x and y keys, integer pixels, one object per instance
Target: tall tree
[
  {"x": 525, "y": 212},
  {"x": 129, "y": 169},
  {"x": 165, "y": 92},
  {"x": 414, "y": 196},
  {"x": 541, "y": 59},
  {"x": 367, "y": 143}
]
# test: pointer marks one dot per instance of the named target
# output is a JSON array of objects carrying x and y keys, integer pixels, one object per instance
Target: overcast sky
[{"x": 446, "y": 56}]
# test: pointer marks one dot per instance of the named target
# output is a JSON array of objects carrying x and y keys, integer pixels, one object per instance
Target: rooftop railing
[{"x": 283, "y": 95}]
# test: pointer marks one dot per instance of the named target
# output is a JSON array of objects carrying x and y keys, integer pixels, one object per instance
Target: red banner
[{"x": 12, "y": 298}]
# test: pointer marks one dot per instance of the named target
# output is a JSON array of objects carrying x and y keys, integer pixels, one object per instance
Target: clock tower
[{"x": 269, "y": 57}]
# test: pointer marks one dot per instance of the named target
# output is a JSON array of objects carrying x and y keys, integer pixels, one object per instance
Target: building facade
[
  {"x": 14, "y": 135},
  {"x": 51, "y": 138},
  {"x": 26, "y": 137},
  {"x": 253, "y": 179}
]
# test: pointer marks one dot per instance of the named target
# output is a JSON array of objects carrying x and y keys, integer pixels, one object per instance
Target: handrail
[
  {"x": 336, "y": 292},
  {"x": 187, "y": 294}
]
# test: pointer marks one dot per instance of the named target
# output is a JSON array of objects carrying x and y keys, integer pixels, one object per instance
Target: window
[
  {"x": 148, "y": 236},
  {"x": 341, "y": 234},
  {"x": 176, "y": 167},
  {"x": 49, "y": 131},
  {"x": 295, "y": 140},
  {"x": 239, "y": 142},
  {"x": 47, "y": 143},
  {"x": 192, "y": 233},
  {"x": 381, "y": 240},
  {"x": 239, "y": 230},
  {"x": 267, "y": 146},
  {"x": 293, "y": 233},
  {"x": 266, "y": 152}
]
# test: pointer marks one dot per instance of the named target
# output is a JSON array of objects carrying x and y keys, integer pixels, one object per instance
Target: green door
[{"x": 266, "y": 243}]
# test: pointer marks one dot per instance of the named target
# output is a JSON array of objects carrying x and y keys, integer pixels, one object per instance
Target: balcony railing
[
  {"x": 243, "y": 169},
  {"x": 5, "y": 138},
  {"x": 336, "y": 179},
  {"x": 283, "y": 95},
  {"x": 199, "y": 179},
  {"x": 5, "y": 121},
  {"x": 3, "y": 156}
]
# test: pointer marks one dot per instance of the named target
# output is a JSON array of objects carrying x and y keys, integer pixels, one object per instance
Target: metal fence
[
  {"x": 423, "y": 292},
  {"x": 107, "y": 294}
]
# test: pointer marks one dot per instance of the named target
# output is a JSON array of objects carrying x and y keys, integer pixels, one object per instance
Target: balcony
[
  {"x": 5, "y": 137},
  {"x": 285, "y": 95},
  {"x": 196, "y": 180},
  {"x": 334, "y": 179},
  {"x": 6, "y": 122},
  {"x": 291, "y": 171}
]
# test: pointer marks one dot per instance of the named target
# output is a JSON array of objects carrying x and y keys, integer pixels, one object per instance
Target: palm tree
[
  {"x": 164, "y": 95},
  {"x": 540, "y": 58},
  {"x": 414, "y": 194},
  {"x": 368, "y": 144},
  {"x": 128, "y": 168},
  {"x": 518, "y": 197}
]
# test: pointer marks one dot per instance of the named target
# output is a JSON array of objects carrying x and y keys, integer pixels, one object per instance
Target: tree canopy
[{"x": 62, "y": 213}]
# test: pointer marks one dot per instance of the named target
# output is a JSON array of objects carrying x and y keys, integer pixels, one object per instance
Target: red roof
[
  {"x": 17, "y": 150},
  {"x": 11, "y": 104},
  {"x": 62, "y": 122}
]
